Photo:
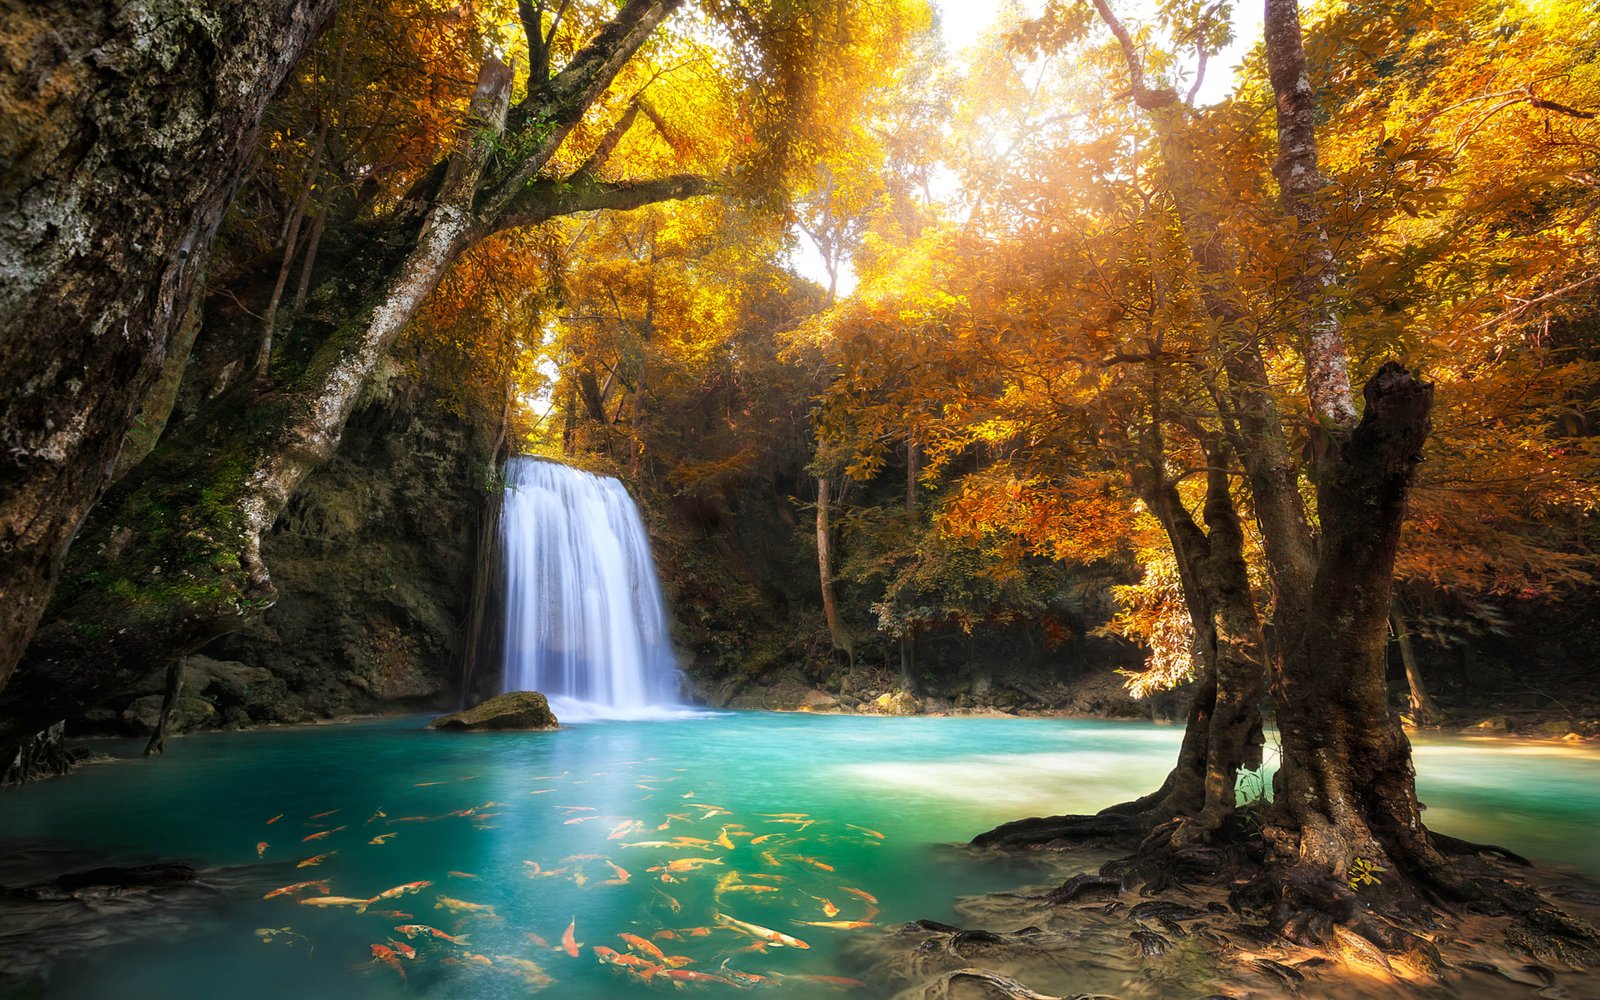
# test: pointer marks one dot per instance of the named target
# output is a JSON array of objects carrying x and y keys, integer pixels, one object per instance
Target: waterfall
[{"x": 585, "y": 623}]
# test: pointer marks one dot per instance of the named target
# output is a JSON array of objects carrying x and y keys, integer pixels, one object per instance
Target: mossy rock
[{"x": 515, "y": 710}]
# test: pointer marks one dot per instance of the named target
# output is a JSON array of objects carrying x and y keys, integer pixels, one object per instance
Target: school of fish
[{"x": 747, "y": 880}]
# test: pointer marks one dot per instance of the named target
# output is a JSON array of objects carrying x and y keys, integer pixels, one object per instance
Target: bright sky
[{"x": 963, "y": 22}]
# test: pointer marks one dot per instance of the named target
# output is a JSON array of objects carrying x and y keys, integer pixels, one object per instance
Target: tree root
[
  {"x": 1456, "y": 846},
  {"x": 1104, "y": 828},
  {"x": 971, "y": 984}
]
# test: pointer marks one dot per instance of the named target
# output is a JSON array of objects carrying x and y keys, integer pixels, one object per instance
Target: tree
[
  {"x": 116, "y": 177},
  {"x": 174, "y": 558}
]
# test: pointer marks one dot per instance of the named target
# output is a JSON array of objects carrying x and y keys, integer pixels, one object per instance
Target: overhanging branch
[{"x": 546, "y": 200}]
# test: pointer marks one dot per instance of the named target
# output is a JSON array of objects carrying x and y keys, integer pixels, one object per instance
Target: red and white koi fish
[
  {"x": 569, "y": 939},
  {"x": 643, "y": 968},
  {"x": 650, "y": 951},
  {"x": 623, "y": 875},
  {"x": 315, "y": 860},
  {"x": 261, "y": 849},
  {"x": 402, "y": 949}
]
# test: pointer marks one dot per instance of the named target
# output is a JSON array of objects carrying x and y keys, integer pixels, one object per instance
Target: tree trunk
[
  {"x": 176, "y": 561},
  {"x": 1424, "y": 712},
  {"x": 126, "y": 129},
  {"x": 830, "y": 604}
]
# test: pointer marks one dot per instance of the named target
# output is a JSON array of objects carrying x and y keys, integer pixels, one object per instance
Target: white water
[{"x": 585, "y": 623}]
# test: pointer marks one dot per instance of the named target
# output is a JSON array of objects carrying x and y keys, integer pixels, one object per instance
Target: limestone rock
[
  {"x": 514, "y": 710},
  {"x": 896, "y": 703}
]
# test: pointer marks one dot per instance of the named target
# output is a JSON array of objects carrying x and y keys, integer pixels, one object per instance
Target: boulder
[
  {"x": 896, "y": 703},
  {"x": 818, "y": 701},
  {"x": 511, "y": 711}
]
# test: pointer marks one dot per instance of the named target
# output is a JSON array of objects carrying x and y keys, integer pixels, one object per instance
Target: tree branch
[
  {"x": 547, "y": 200},
  {"x": 608, "y": 143}
]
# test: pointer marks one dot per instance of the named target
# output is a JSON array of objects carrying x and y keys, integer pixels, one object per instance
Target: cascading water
[{"x": 585, "y": 623}]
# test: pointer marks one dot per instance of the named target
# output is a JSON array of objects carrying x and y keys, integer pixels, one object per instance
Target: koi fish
[
  {"x": 320, "y": 885},
  {"x": 323, "y": 815},
  {"x": 869, "y": 897},
  {"x": 271, "y": 934},
  {"x": 274, "y": 819},
  {"x": 722, "y": 838},
  {"x": 757, "y": 931},
  {"x": 649, "y": 950},
  {"x": 536, "y": 939},
  {"x": 578, "y": 809},
  {"x": 666, "y": 935},
  {"x": 541, "y": 791},
  {"x": 321, "y": 833},
  {"x": 261, "y": 849},
  {"x": 396, "y": 893},
  {"x": 862, "y": 829},
  {"x": 766, "y": 837},
  {"x": 402, "y": 949},
  {"x": 580, "y": 819},
  {"x": 690, "y": 976},
  {"x": 383, "y": 838},
  {"x": 335, "y": 901},
  {"x": 672, "y": 904},
  {"x": 531, "y": 972},
  {"x": 749, "y": 978},
  {"x": 583, "y": 857},
  {"x": 462, "y": 906},
  {"x": 580, "y": 879},
  {"x": 426, "y": 784},
  {"x": 828, "y": 909},
  {"x": 686, "y": 865},
  {"x": 838, "y": 925},
  {"x": 379, "y": 814},
  {"x": 391, "y": 914},
  {"x": 548, "y": 874},
  {"x": 751, "y": 888},
  {"x": 386, "y": 955},
  {"x": 623, "y": 875},
  {"x": 316, "y": 860},
  {"x": 624, "y": 829},
  {"x": 768, "y": 857},
  {"x": 569, "y": 939},
  {"x": 665, "y": 845},
  {"x": 633, "y": 963},
  {"x": 461, "y": 875},
  {"x": 423, "y": 930},
  {"x": 810, "y": 861},
  {"x": 691, "y": 841},
  {"x": 482, "y": 960}
]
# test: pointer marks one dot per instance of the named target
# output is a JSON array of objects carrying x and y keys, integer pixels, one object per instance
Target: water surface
[{"x": 819, "y": 790}]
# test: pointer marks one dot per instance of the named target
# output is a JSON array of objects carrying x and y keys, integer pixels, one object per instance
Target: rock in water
[{"x": 512, "y": 710}]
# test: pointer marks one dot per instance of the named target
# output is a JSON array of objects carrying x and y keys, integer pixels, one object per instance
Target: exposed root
[
  {"x": 972, "y": 984},
  {"x": 1106, "y": 828},
  {"x": 1456, "y": 846}
]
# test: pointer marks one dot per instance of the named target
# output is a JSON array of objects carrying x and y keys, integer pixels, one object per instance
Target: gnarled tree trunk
[{"x": 124, "y": 129}]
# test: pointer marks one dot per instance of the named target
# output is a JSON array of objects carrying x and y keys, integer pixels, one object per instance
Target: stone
[
  {"x": 515, "y": 710},
  {"x": 895, "y": 703},
  {"x": 817, "y": 700},
  {"x": 1497, "y": 724},
  {"x": 188, "y": 714}
]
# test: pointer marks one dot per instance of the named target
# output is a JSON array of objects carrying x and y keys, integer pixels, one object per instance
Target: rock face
[
  {"x": 373, "y": 561},
  {"x": 511, "y": 711}
]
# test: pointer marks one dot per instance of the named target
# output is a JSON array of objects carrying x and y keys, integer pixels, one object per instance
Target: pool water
[{"x": 809, "y": 828}]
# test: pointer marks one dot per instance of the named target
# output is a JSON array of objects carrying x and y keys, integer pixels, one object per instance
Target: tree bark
[
  {"x": 126, "y": 128},
  {"x": 176, "y": 557},
  {"x": 830, "y": 603}
]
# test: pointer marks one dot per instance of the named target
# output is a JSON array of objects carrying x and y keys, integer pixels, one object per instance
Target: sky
[{"x": 964, "y": 22}]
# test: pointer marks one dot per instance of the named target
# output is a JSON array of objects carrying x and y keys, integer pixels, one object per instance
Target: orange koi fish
[
  {"x": 840, "y": 981},
  {"x": 751, "y": 888},
  {"x": 274, "y": 819},
  {"x": 383, "y": 838},
  {"x": 766, "y": 837},
  {"x": 386, "y": 955},
  {"x": 580, "y": 819},
  {"x": 828, "y": 909},
  {"x": 360, "y": 904},
  {"x": 649, "y": 950},
  {"x": 809, "y": 861},
  {"x": 838, "y": 925},
  {"x": 536, "y": 939},
  {"x": 691, "y": 841},
  {"x": 396, "y": 893},
  {"x": 862, "y": 829},
  {"x": 316, "y": 860},
  {"x": 666, "y": 935},
  {"x": 582, "y": 857},
  {"x": 569, "y": 939},
  {"x": 531, "y": 972},
  {"x": 261, "y": 849},
  {"x": 461, "y": 875},
  {"x": 321, "y": 833},
  {"x": 624, "y": 829},
  {"x": 391, "y": 914},
  {"x": 672, "y": 904},
  {"x": 686, "y": 865},
  {"x": 722, "y": 838},
  {"x": 402, "y": 949},
  {"x": 320, "y": 885},
  {"x": 426, "y": 784},
  {"x": 482, "y": 960},
  {"x": 869, "y": 897},
  {"x": 323, "y": 815},
  {"x": 757, "y": 931},
  {"x": 462, "y": 906},
  {"x": 578, "y": 809},
  {"x": 423, "y": 930},
  {"x": 690, "y": 976},
  {"x": 632, "y": 963},
  {"x": 377, "y": 815},
  {"x": 623, "y": 875}
]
